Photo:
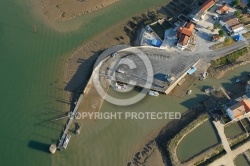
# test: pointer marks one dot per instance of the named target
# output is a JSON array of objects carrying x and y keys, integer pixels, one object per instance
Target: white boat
[
  {"x": 66, "y": 141},
  {"x": 211, "y": 89},
  {"x": 153, "y": 93},
  {"x": 238, "y": 80},
  {"x": 204, "y": 75},
  {"x": 120, "y": 71},
  {"x": 120, "y": 86},
  {"x": 189, "y": 92}
]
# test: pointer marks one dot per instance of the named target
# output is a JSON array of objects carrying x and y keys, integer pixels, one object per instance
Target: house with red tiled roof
[
  {"x": 239, "y": 109},
  {"x": 223, "y": 9},
  {"x": 184, "y": 34},
  {"x": 199, "y": 14}
]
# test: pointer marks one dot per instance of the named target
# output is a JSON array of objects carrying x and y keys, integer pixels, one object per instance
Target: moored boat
[
  {"x": 66, "y": 141},
  {"x": 189, "y": 92},
  {"x": 203, "y": 76},
  {"x": 210, "y": 89},
  {"x": 120, "y": 86},
  {"x": 153, "y": 93},
  {"x": 238, "y": 80}
]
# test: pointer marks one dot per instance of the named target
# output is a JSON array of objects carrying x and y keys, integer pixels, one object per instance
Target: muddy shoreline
[{"x": 61, "y": 10}]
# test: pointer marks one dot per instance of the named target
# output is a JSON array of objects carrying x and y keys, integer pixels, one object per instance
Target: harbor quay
[{"x": 150, "y": 70}]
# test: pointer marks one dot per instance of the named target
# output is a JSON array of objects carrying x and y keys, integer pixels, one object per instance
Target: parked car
[{"x": 216, "y": 17}]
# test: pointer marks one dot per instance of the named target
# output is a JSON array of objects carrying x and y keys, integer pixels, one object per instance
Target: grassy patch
[
  {"x": 248, "y": 27},
  {"x": 222, "y": 45},
  {"x": 239, "y": 141},
  {"x": 218, "y": 153},
  {"x": 247, "y": 35},
  {"x": 245, "y": 20},
  {"x": 229, "y": 58}
]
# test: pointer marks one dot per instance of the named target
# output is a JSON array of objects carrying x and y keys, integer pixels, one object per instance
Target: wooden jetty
[{"x": 65, "y": 136}]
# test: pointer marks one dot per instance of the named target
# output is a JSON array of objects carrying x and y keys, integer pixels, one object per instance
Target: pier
[{"x": 64, "y": 139}]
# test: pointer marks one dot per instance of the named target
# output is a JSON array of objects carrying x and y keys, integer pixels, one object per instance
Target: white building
[{"x": 232, "y": 24}]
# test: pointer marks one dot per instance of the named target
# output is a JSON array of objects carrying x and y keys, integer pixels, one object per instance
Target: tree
[
  {"x": 236, "y": 2},
  {"x": 217, "y": 25},
  {"x": 238, "y": 13},
  {"x": 228, "y": 40},
  {"x": 222, "y": 33}
]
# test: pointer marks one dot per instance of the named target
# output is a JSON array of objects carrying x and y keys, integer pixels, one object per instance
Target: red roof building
[
  {"x": 184, "y": 33},
  {"x": 223, "y": 9},
  {"x": 208, "y": 4},
  {"x": 239, "y": 109}
]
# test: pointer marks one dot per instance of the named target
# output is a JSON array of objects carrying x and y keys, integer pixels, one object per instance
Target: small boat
[
  {"x": 120, "y": 71},
  {"x": 204, "y": 75},
  {"x": 249, "y": 75},
  {"x": 153, "y": 93},
  {"x": 66, "y": 141},
  {"x": 120, "y": 86},
  {"x": 189, "y": 92},
  {"x": 211, "y": 89},
  {"x": 238, "y": 80},
  {"x": 78, "y": 128}
]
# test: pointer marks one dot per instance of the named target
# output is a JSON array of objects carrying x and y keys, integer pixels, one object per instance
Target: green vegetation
[
  {"x": 247, "y": 34},
  {"x": 248, "y": 27},
  {"x": 238, "y": 139},
  {"x": 225, "y": 43},
  {"x": 218, "y": 153},
  {"x": 217, "y": 25},
  {"x": 222, "y": 33},
  {"x": 229, "y": 58},
  {"x": 236, "y": 3},
  {"x": 228, "y": 40},
  {"x": 238, "y": 13},
  {"x": 245, "y": 20}
]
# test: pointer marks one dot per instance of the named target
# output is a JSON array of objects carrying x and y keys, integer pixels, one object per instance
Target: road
[
  {"x": 228, "y": 158},
  {"x": 191, "y": 56}
]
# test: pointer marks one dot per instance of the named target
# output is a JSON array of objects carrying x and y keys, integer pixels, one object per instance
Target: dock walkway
[{"x": 68, "y": 124}]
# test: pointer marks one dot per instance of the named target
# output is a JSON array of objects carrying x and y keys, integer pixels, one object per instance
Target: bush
[
  {"x": 228, "y": 40},
  {"x": 239, "y": 141},
  {"x": 229, "y": 58},
  {"x": 236, "y": 3},
  {"x": 217, "y": 25},
  {"x": 222, "y": 33},
  {"x": 238, "y": 13}
]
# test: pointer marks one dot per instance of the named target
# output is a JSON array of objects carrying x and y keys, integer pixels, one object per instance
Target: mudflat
[{"x": 68, "y": 9}]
